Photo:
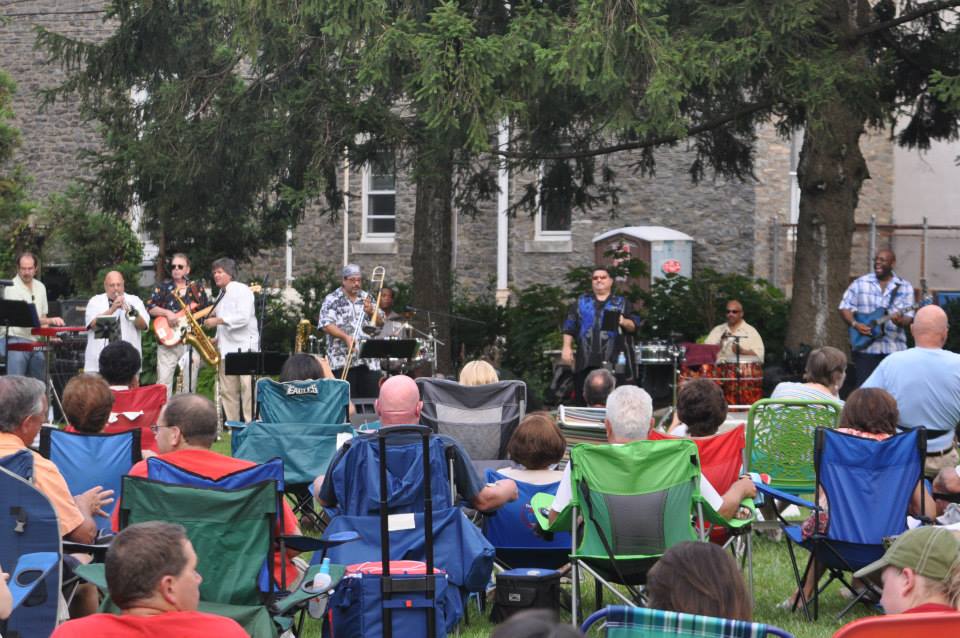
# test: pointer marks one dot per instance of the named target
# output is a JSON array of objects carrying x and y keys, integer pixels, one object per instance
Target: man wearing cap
[
  {"x": 341, "y": 312},
  {"x": 919, "y": 572}
]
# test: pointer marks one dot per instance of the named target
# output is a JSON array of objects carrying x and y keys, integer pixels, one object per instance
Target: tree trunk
[
  {"x": 830, "y": 173},
  {"x": 433, "y": 243}
]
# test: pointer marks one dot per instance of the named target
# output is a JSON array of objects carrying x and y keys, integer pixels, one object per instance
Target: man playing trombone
[
  {"x": 129, "y": 311},
  {"x": 344, "y": 313}
]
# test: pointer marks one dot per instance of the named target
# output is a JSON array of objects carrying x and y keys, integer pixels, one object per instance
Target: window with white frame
[
  {"x": 554, "y": 207},
  {"x": 380, "y": 197}
]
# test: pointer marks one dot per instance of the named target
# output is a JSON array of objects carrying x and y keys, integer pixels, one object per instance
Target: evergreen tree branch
[{"x": 926, "y": 9}]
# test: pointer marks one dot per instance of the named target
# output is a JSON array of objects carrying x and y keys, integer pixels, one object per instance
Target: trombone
[{"x": 376, "y": 277}]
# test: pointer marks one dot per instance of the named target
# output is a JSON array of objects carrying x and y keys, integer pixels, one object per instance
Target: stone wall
[{"x": 52, "y": 139}]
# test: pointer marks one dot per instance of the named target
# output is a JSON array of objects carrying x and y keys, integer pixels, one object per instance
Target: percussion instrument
[{"x": 657, "y": 352}]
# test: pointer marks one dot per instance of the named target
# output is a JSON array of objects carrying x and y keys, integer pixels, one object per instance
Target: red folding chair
[
  {"x": 901, "y": 625},
  {"x": 138, "y": 408}
]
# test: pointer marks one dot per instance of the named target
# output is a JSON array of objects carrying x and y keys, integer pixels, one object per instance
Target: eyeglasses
[
  {"x": 155, "y": 428},
  {"x": 600, "y": 277},
  {"x": 734, "y": 312},
  {"x": 178, "y": 266}
]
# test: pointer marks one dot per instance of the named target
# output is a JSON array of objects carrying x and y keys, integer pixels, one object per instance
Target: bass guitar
[{"x": 876, "y": 321}]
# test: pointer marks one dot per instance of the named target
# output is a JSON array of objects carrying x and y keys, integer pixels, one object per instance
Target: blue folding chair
[
  {"x": 459, "y": 547},
  {"x": 88, "y": 460},
  {"x": 511, "y": 530},
  {"x": 640, "y": 622},
  {"x": 868, "y": 485},
  {"x": 28, "y": 527}
]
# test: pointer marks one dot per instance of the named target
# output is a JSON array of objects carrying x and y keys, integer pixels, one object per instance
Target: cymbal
[{"x": 408, "y": 315}]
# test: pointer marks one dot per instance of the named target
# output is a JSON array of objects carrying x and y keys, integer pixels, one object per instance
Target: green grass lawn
[{"x": 773, "y": 582}]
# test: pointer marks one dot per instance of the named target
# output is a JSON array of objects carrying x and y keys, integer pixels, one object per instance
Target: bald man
[
  {"x": 882, "y": 289},
  {"x": 925, "y": 381},
  {"x": 400, "y": 404},
  {"x": 113, "y": 302}
]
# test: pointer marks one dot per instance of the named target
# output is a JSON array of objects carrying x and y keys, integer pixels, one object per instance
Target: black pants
[
  {"x": 364, "y": 382},
  {"x": 864, "y": 364}
]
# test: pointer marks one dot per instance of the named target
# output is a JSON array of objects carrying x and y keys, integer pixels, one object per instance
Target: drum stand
[{"x": 736, "y": 372}]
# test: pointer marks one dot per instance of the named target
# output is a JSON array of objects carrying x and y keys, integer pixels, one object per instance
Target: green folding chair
[
  {"x": 780, "y": 435},
  {"x": 636, "y": 500},
  {"x": 232, "y": 532}
]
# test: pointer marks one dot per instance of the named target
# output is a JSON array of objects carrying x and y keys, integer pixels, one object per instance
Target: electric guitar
[
  {"x": 171, "y": 333},
  {"x": 876, "y": 321}
]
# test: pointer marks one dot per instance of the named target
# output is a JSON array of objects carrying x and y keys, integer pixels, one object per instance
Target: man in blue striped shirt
[{"x": 881, "y": 289}]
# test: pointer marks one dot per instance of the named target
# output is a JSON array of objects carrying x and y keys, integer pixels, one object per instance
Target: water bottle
[
  {"x": 621, "y": 364},
  {"x": 321, "y": 584}
]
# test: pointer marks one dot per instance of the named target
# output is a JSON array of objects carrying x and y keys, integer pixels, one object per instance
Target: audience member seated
[
  {"x": 120, "y": 366},
  {"x": 699, "y": 578},
  {"x": 301, "y": 366},
  {"x": 24, "y": 402},
  {"x": 152, "y": 577},
  {"x": 597, "y": 387},
  {"x": 478, "y": 372},
  {"x": 869, "y": 413},
  {"x": 535, "y": 623},
  {"x": 87, "y": 402},
  {"x": 701, "y": 409},
  {"x": 920, "y": 572},
  {"x": 537, "y": 445},
  {"x": 628, "y": 419},
  {"x": 826, "y": 369},
  {"x": 186, "y": 430},
  {"x": 399, "y": 404}
]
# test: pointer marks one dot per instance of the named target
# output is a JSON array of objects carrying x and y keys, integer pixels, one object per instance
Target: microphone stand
[
  {"x": 263, "y": 321},
  {"x": 736, "y": 372}
]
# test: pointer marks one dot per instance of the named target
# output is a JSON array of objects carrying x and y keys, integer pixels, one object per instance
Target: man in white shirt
[
  {"x": 235, "y": 319},
  {"x": 129, "y": 311},
  {"x": 736, "y": 337},
  {"x": 628, "y": 418},
  {"x": 27, "y": 288}
]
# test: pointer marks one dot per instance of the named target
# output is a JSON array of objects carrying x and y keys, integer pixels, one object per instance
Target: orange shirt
[{"x": 47, "y": 479}]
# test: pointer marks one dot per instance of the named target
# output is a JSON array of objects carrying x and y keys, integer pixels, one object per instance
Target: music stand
[
  {"x": 106, "y": 328},
  {"x": 389, "y": 349},
  {"x": 255, "y": 364}
]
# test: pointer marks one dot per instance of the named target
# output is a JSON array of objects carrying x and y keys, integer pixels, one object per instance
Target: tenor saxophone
[{"x": 197, "y": 338}]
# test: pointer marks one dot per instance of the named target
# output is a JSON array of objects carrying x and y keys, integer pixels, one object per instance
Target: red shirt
[
  {"x": 931, "y": 608},
  {"x": 182, "y": 624},
  {"x": 215, "y": 466}
]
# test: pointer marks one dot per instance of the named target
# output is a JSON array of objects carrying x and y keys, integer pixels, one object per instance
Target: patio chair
[
  {"x": 868, "y": 485},
  {"x": 902, "y": 625},
  {"x": 137, "y": 408}
]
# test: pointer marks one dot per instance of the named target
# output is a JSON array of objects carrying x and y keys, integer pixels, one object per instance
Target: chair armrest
[
  {"x": 25, "y": 578},
  {"x": 305, "y": 592},
  {"x": 310, "y": 544},
  {"x": 235, "y": 425},
  {"x": 783, "y": 496},
  {"x": 734, "y": 523},
  {"x": 540, "y": 503},
  {"x": 99, "y": 550},
  {"x": 93, "y": 573}
]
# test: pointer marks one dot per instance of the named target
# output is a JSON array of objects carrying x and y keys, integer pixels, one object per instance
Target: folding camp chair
[
  {"x": 459, "y": 547},
  {"x": 29, "y": 540},
  {"x": 868, "y": 485},
  {"x": 233, "y": 534},
  {"x": 513, "y": 528},
  {"x": 137, "y": 408},
  {"x": 312, "y": 401},
  {"x": 306, "y": 450},
  {"x": 780, "y": 440},
  {"x": 902, "y": 625},
  {"x": 639, "y": 622},
  {"x": 481, "y": 417},
  {"x": 630, "y": 516},
  {"x": 88, "y": 460}
]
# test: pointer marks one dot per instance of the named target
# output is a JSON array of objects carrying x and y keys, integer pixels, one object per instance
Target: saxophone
[
  {"x": 304, "y": 329},
  {"x": 197, "y": 338}
]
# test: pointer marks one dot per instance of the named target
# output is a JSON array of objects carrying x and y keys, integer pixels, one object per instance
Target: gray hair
[
  {"x": 597, "y": 386},
  {"x": 21, "y": 397},
  {"x": 629, "y": 409},
  {"x": 227, "y": 265}
]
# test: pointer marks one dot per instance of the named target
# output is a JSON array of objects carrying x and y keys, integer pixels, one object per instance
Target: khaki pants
[
  {"x": 167, "y": 360},
  {"x": 936, "y": 462},
  {"x": 235, "y": 390}
]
